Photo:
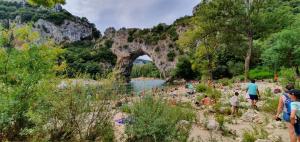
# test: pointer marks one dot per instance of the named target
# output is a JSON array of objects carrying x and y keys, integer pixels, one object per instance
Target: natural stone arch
[{"x": 127, "y": 52}]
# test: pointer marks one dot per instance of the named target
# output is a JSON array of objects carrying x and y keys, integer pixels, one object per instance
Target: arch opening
[{"x": 144, "y": 67}]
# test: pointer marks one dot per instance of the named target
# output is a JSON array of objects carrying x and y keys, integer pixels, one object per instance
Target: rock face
[
  {"x": 127, "y": 52},
  {"x": 67, "y": 32}
]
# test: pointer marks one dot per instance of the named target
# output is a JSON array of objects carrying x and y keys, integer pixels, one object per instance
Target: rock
[
  {"x": 128, "y": 50},
  {"x": 274, "y": 138},
  {"x": 183, "y": 124},
  {"x": 276, "y": 125},
  {"x": 263, "y": 140},
  {"x": 251, "y": 116},
  {"x": 68, "y": 32},
  {"x": 212, "y": 125}
]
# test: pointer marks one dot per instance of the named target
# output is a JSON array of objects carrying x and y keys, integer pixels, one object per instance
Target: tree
[
  {"x": 245, "y": 20},
  {"x": 283, "y": 48},
  {"x": 46, "y": 3}
]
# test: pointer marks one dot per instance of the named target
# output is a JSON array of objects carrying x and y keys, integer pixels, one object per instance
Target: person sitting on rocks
[
  {"x": 284, "y": 106},
  {"x": 206, "y": 101},
  {"x": 295, "y": 111},
  {"x": 234, "y": 101}
]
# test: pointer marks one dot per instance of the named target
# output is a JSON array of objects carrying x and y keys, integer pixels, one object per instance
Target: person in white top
[{"x": 234, "y": 101}]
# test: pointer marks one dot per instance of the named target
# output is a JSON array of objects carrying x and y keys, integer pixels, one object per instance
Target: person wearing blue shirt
[
  {"x": 252, "y": 90},
  {"x": 295, "y": 112}
]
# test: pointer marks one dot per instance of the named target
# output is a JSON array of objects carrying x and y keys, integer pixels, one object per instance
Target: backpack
[{"x": 287, "y": 105}]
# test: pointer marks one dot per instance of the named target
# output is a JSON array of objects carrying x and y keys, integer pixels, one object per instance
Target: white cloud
[{"x": 130, "y": 13}]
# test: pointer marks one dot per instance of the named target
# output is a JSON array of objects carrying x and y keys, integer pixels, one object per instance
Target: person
[
  {"x": 252, "y": 90},
  {"x": 284, "y": 108},
  {"x": 206, "y": 101},
  {"x": 295, "y": 112},
  {"x": 276, "y": 77},
  {"x": 234, "y": 101}
]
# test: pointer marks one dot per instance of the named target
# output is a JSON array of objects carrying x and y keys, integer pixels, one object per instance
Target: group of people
[{"x": 289, "y": 106}]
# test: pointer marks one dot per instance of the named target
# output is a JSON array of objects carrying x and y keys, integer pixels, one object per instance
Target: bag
[{"x": 287, "y": 104}]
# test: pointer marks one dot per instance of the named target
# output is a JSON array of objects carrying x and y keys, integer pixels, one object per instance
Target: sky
[{"x": 130, "y": 13}]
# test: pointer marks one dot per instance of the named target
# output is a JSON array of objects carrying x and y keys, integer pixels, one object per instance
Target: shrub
[
  {"x": 225, "y": 81},
  {"x": 146, "y": 70},
  {"x": 260, "y": 73},
  {"x": 201, "y": 88},
  {"x": 171, "y": 56},
  {"x": 77, "y": 113},
  {"x": 271, "y": 105},
  {"x": 256, "y": 133},
  {"x": 184, "y": 69},
  {"x": 287, "y": 76},
  {"x": 155, "y": 120},
  {"x": 235, "y": 68}
]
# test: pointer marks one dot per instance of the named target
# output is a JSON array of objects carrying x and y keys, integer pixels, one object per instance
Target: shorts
[
  {"x": 297, "y": 128},
  {"x": 253, "y": 97}
]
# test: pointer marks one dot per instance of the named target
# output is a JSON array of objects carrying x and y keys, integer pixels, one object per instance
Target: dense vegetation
[
  {"x": 239, "y": 36},
  {"x": 145, "y": 70},
  {"x": 83, "y": 57}
]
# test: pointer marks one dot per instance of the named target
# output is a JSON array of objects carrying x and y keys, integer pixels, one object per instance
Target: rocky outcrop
[
  {"x": 67, "y": 32},
  {"x": 127, "y": 52}
]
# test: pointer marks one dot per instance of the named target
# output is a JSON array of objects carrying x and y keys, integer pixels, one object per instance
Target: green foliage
[
  {"x": 235, "y": 68},
  {"x": 284, "y": 48},
  {"x": 260, "y": 73},
  {"x": 171, "y": 55},
  {"x": 201, "y": 88},
  {"x": 271, "y": 104},
  {"x": 155, "y": 120},
  {"x": 153, "y": 35},
  {"x": 146, "y": 70},
  {"x": 287, "y": 76},
  {"x": 82, "y": 57},
  {"x": 184, "y": 69},
  {"x": 47, "y": 3},
  {"x": 225, "y": 81},
  {"x": 21, "y": 72},
  {"x": 256, "y": 133},
  {"x": 71, "y": 110}
]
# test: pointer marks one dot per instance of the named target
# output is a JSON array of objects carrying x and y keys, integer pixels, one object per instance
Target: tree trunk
[{"x": 248, "y": 55}]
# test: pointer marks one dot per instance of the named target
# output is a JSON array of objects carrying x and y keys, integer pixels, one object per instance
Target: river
[{"x": 139, "y": 85}]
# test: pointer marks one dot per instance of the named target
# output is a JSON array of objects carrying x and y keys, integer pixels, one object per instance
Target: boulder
[
  {"x": 212, "y": 125},
  {"x": 251, "y": 116},
  {"x": 274, "y": 138},
  {"x": 276, "y": 125}
]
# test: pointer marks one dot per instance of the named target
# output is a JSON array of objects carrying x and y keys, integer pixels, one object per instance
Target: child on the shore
[{"x": 234, "y": 101}]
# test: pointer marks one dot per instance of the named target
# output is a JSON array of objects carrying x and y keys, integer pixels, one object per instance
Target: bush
[
  {"x": 260, "y": 73},
  {"x": 171, "y": 56},
  {"x": 287, "y": 76},
  {"x": 155, "y": 120},
  {"x": 256, "y": 133},
  {"x": 201, "y": 88},
  {"x": 235, "y": 68},
  {"x": 271, "y": 104},
  {"x": 146, "y": 70},
  {"x": 184, "y": 69},
  {"x": 225, "y": 81}
]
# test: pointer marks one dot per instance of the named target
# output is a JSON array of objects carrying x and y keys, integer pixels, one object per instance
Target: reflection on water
[{"x": 140, "y": 85}]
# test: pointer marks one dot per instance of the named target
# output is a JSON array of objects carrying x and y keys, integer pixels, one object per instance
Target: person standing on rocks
[
  {"x": 252, "y": 90},
  {"x": 285, "y": 108},
  {"x": 295, "y": 111},
  {"x": 234, "y": 101}
]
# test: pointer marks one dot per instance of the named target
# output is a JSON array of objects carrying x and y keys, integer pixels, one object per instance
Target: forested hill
[{"x": 55, "y": 23}]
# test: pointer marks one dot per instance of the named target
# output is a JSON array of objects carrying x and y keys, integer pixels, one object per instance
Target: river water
[{"x": 146, "y": 84}]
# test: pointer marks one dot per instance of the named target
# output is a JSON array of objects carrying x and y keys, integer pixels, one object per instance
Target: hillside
[{"x": 57, "y": 23}]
